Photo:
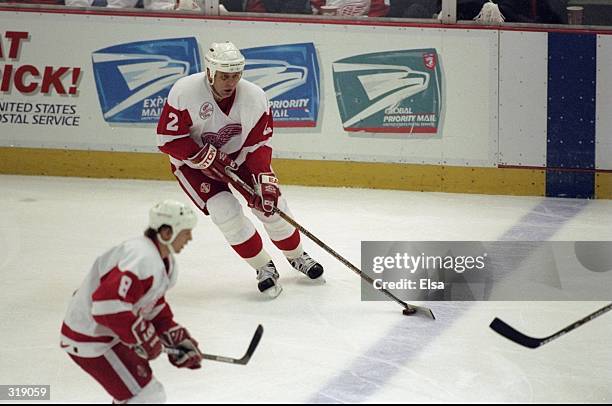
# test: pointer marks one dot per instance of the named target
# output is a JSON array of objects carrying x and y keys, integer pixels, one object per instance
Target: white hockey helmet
[
  {"x": 223, "y": 57},
  {"x": 174, "y": 214}
]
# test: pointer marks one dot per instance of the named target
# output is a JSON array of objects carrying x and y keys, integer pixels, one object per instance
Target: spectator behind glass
[
  {"x": 148, "y": 4},
  {"x": 414, "y": 8},
  {"x": 516, "y": 11},
  {"x": 371, "y": 8},
  {"x": 552, "y": 12},
  {"x": 279, "y": 6},
  {"x": 233, "y": 5}
]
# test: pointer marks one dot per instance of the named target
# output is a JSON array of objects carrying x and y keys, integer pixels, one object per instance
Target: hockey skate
[
  {"x": 267, "y": 277},
  {"x": 308, "y": 267}
]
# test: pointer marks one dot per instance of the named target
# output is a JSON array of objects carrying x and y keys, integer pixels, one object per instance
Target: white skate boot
[
  {"x": 267, "y": 277},
  {"x": 308, "y": 266}
]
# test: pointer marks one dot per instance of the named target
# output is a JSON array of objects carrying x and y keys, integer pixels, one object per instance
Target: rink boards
[{"x": 433, "y": 108}]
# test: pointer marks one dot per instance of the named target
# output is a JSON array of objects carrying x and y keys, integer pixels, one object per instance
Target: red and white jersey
[
  {"x": 128, "y": 281},
  {"x": 371, "y": 8},
  {"x": 192, "y": 118}
]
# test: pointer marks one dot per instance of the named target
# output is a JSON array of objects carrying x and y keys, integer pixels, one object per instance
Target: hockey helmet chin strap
[{"x": 168, "y": 244}]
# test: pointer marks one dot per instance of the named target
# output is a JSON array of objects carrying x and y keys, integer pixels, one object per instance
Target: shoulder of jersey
[
  {"x": 142, "y": 257},
  {"x": 250, "y": 92},
  {"x": 188, "y": 81}
]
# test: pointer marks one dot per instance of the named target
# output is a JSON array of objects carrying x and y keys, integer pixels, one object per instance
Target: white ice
[{"x": 321, "y": 343}]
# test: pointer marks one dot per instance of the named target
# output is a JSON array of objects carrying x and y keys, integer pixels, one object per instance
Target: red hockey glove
[
  {"x": 178, "y": 338},
  {"x": 148, "y": 344},
  {"x": 212, "y": 162},
  {"x": 265, "y": 198}
]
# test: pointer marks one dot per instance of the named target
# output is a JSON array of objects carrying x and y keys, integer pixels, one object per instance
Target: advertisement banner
[
  {"x": 133, "y": 79},
  {"x": 39, "y": 82},
  {"x": 390, "y": 92},
  {"x": 289, "y": 74},
  {"x": 105, "y": 93}
]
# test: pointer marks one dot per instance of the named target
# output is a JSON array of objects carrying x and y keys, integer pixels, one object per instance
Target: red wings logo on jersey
[
  {"x": 222, "y": 137},
  {"x": 206, "y": 110},
  {"x": 351, "y": 7}
]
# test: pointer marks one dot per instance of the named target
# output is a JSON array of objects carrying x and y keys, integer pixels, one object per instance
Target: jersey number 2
[{"x": 172, "y": 123}]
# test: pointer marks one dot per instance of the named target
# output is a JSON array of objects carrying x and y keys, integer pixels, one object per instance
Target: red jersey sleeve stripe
[
  {"x": 164, "y": 320},
  {"x": 173, "y": 121},
  {"x": 120, "y": 324},
  {"x": 262, "y": 131},
  {"x": 181, "y": 148},
  {"x": 121, "y": 286},
  {"x": 260, "y": 160}
]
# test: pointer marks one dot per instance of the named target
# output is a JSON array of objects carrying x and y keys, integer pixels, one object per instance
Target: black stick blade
[
  {"x": 252, "y": 346},
  {"x": 504, "y": 329},
  {"x": 413, "y": 309},
  {"x": 241, "y": 361}
]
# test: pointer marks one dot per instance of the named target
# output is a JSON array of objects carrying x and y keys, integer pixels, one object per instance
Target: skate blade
[
  {"x": 273, "y": 291},
  {"x": 318, "y": 281}
]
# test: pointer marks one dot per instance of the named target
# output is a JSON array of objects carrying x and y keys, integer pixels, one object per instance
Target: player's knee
[
  {"x": 226, "y": 213},
  {"x": 153, "y": 392},
  {"x": 223, "y": 207}
]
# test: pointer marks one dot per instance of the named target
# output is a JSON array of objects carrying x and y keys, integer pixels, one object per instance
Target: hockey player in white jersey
[
  {"x": 214, "y": 122},
  {"x": 118, "y": 320}
]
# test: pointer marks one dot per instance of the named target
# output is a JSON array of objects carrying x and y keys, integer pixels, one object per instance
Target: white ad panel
[
  {"x": 468, "y": 61},
  {"x": 383, "y": 94},
  {"x": 603, "y": 108},
  {"x": 523, "y": 64}
]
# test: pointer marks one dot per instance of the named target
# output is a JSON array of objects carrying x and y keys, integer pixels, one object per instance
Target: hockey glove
[
  {"x": 212, "y": 162},
  {"x": 148, "y": 344},
  {"x": 265, "y": 198},
  {"x": 178, "y": 338}
]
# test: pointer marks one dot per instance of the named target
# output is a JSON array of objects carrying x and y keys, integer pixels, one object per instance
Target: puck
[{"x": 408, "y": 311}]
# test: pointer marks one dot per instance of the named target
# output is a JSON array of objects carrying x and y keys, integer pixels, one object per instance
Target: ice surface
[{"x": 321, "y": 343}]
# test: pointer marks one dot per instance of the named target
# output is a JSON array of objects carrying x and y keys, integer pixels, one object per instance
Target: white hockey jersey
[
  {"x": 128, "y": 281},
  {"x": 192, "y": 118}
]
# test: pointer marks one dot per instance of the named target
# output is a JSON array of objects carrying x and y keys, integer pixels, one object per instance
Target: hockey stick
[
  {"x": 503, "y": 328},
  {"x": 242, "y": 361},
  {"x": 408, "y": 309}
]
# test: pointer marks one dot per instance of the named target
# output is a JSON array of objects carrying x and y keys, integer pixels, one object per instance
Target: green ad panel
[{"x": 390, "y": 92}]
